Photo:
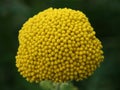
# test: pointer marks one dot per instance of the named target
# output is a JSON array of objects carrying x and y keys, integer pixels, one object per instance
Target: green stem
[{"x": 58, "y": 86}]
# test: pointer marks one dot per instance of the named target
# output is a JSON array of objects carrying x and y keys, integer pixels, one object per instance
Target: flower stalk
[{"x": 48, "y": 85}]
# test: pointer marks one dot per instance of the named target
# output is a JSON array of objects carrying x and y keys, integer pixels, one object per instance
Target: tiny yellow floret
[{"x": 58, "y": 45}]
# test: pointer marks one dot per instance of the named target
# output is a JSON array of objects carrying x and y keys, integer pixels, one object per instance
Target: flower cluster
[{"x": 58, "y": 45}]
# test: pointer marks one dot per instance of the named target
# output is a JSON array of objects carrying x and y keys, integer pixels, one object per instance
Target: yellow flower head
[{"x": 58, "y": 45}]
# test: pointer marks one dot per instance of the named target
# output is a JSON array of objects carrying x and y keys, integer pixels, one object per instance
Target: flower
[{"x": 58, "y": 45}]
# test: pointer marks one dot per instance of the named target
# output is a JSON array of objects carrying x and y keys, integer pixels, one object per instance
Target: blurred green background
[{"x": 104, "y": 16}]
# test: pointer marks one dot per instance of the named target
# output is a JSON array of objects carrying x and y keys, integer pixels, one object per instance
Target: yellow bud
[{"x": 58, "y": 45}]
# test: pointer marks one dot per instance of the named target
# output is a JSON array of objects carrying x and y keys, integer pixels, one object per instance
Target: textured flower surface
[{"x": 58, "y": 45}]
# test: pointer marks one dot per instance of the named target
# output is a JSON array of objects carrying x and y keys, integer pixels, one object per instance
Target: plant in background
[{"x": 58, "y": 45}]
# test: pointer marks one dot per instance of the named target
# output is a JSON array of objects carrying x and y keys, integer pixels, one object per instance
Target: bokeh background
[{"x": 104, "y": 16}]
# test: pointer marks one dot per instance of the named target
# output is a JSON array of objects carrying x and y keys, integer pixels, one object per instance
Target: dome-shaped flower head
[{"x": 58, "y": 45}]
